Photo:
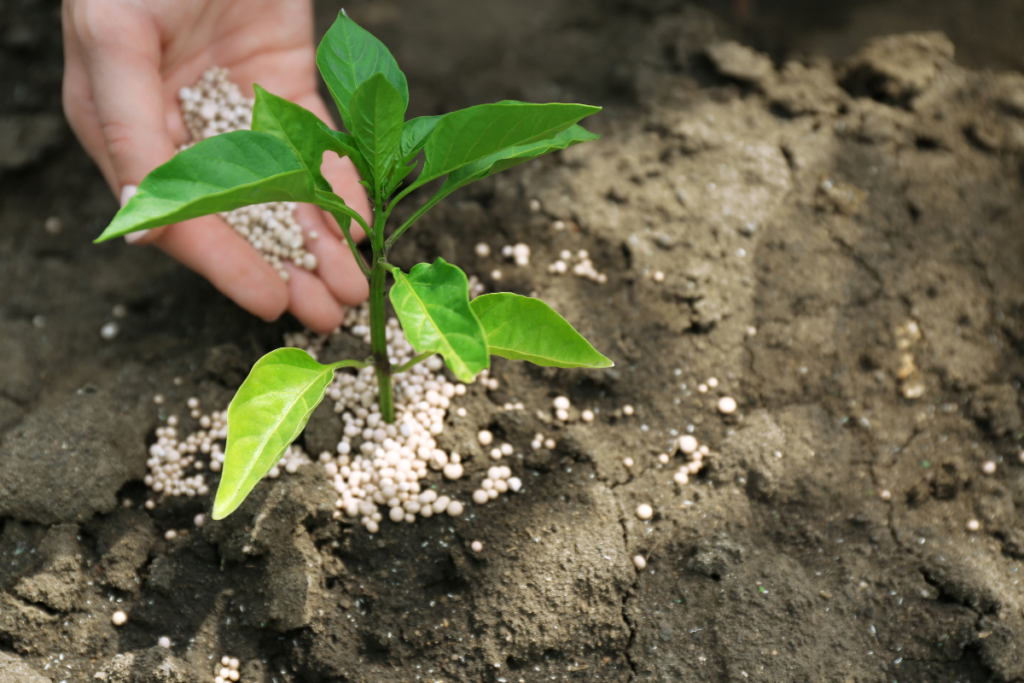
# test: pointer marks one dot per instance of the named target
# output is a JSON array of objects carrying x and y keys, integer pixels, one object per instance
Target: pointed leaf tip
[
  {"x": 221, "y": 173},
  {"x": 266, "y": 415},
  {"x": 523, "y": 328}
]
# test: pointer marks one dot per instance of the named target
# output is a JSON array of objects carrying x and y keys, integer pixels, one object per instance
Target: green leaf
[
  {"x": 469, "y": 135},
  {"x": 514, "y": 156},
  {"x": 221, "y": 173},
  {"x": 521, "y": 328},
  {"x": 349, "y": 55},
  {"x": 415, "y": 134},
  {"x": 397, "y": 176},
  {"x": 432, "y": 303},
  {"x": 296, "y": 126},
  {"x": 345, "y": 145},
  {"x": 377, "y": 115},
  {"x": 269, "y": 411}
]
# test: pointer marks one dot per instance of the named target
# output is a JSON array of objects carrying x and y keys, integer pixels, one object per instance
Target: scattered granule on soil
[
  {"x": 227, "y": 671},
  {"x": 379, "y": 465},
  {"x": 519, "y": 253},
  {"x": 583, "y": 267},
  {"x": 176, "y": 464}
]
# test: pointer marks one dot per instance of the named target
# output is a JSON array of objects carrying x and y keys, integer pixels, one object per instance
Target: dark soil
[{"x": 829, "y": 204}]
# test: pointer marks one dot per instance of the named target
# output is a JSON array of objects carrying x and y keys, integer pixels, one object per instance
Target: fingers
[
  {"x": 211, "y": 248},
  {"x": 76, "y": 97},
  {"x": 336, "y": 266},
  {"x": 310, "y": 301},
  {"x": 121, "y": 54}
]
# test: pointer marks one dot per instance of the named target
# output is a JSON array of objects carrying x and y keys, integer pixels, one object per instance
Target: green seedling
[{"x": 279, "y": 160}]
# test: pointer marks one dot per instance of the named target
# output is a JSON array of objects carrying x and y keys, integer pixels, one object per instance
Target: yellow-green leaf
[
  {"x": 521, "y": 328},
  {"x": 432, "y": 303},
  {"x": 269, "y": 411}
]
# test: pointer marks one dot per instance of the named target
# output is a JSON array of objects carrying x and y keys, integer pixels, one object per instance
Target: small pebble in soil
[
  {"x": 727, "y": 405},
  {"x": 476, "y": 546},
  {"x": 170, "y": 534},
  {"x": 973, "y": 525},
  {"x": 454, "y": 508},
  {"x": 482, "y": 249},
  {"x": 164, "y": 642},
  {"x": 885, "y": 494},
  {"x": 53, "y": 225},
  {"x": 1020, "y": 457},
  {"x": 644, "y": 511},
  {"x": 702, "y": 388},
  {"x": 199, "y": 520},
  {"x": 118, "y": 618},
  {"x": 496, "y": 274},
  {"x": 681, "y": 477},
  {"x": 913, "y": 390},
  {"x": 627, "y": 409},
  {"x": 485, "y": 437},
  {"x": 663, "y": 458},
  {"x": 658, "y": 276},
  {"x": 627, "y": 462},
  {"x": 988, "y": 467},
  {"x": 558, "y": 226},
  {"x": 561, "y": 403},
  {"x": 109, "y": 331},
  {"x": 119, "y": 311},
  {"x": 639, "y": 562},
  {"x": 587, "y": 416},
  {"x": 534, "y": 205},
  {"x": 39, "y": 321},
  {"x": 712, "y": 382}
]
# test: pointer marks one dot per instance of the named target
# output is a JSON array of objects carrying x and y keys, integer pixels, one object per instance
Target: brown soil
[{"x": 828, "y": 204}]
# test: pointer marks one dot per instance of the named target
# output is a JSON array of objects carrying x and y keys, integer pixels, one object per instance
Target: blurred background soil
[{"x": 838, "y": 217}]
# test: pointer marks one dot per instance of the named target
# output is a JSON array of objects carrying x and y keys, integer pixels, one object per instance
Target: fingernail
[
  {"x": 127, "y": 192},
  {"x": 133, "y": 237}
]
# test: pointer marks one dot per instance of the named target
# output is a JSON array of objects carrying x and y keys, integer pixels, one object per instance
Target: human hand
[{"x": 126, "y": 60}]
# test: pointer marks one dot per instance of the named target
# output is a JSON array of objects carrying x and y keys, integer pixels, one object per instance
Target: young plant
[{"x": 279, "y": 160}]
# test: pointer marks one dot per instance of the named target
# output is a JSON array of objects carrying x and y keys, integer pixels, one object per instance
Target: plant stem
[
  {"x": 413, "y": 362},
  {"x": 378, "y": 319}
]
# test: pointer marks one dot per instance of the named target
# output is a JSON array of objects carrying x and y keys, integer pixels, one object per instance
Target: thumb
[{"x": 122, "y": 49}]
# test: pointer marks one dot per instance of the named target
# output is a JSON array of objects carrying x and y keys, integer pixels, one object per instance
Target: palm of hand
[{"x": 126, "y": 62}]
